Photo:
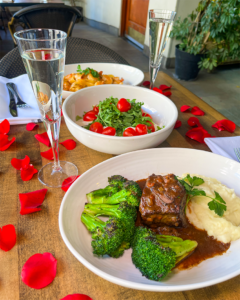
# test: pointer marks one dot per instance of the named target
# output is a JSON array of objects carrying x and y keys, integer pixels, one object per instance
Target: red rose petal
[
  {"x": 157, "y": 90},
  {"x": 69, "y": 144},
  {"x": 225, "y": 125},
  {"x": 4, "y": 127},
  {"x": 61, "y": 113},
  {"x": 39, "y": 270},
  {"x": 146, "y": 83},
  {"x": 196, "y": 111},
  {"x": 48, "y": 154},
  {"x": 178, "y": 124},
  {"x": 164, "y": 87},
  {"x": 7, "y": 237},
  {"x": 77, "y": 297},
  {"x": 31, "y": 126},
  {"x": 4, "y": 142},
  {"x": 28, "y": 172},
  {"x": 198, "y": 134},
  {"x": 20, "y": 163},
  {"x": 31, "y": 201},
  {"x": 193, "y": 121},
  {"x": 43, "y": 138},
  {"x": 185, "y": 108},
  {"x": 167, "y": 93},
  {"x": 68, "y": 182}
]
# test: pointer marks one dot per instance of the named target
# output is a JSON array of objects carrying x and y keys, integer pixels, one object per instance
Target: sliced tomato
[
  {"x": 96, "y": 127},
  {"x": 146, "y": 115},
  {"x": 123, "y": 105},
  {"x": 96, "y": 109},
  {"x": 129, "y": 132},
  {"x": 89, "y": 116},
  {"x": 151, "y": 127},
  {"x": 109, "y": 131},
  {"x": 141, "y": 129}
]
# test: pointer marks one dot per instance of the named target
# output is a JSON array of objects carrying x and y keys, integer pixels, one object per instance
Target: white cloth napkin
[
  {"x": 25, "y": 115},
  {"x": 224, "y": 146}
]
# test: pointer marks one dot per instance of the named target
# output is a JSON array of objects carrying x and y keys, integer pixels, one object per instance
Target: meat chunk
[{"x": 163, "y": 202}]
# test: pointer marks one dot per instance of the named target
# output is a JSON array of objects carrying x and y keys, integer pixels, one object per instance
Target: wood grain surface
[{"x": 39, "y": 232}]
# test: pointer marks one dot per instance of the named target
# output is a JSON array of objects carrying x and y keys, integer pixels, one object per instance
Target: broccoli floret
[
  {"x": 116, "y": 183},
  {"x": 156, "y": 255},
  {"x": 107, "y": 236},
  {"x": 130, "y": 193},
  {"x": 123, "y": 211}
]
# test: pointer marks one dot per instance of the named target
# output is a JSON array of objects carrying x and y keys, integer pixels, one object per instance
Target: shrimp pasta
[{"x": 88, "y": 77}]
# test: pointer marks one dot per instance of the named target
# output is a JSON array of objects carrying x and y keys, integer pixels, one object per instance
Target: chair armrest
[{"x": 12, "y": 30}]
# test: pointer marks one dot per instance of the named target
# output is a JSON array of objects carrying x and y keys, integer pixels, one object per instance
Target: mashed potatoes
[{"x": 224, "y": 229}]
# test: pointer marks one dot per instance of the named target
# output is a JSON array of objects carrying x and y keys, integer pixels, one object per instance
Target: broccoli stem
[{"x": 91, "y": 222}]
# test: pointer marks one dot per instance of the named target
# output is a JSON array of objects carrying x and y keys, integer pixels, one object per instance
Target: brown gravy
[{"x": 207, "y": 246}]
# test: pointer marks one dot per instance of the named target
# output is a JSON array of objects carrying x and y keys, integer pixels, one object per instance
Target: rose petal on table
[
  {"x": 47, "y": 154},
  {"x": 198, "y": 134},
  {"x": 167, "y": 93},
  {"x": 196, "y": 111},
  {"x": 61, "y": 113},
  {"x": 20, "y": 163},
  {"x": 68, "y": 182},
  {"x": 8, "y": 237},
  {"x": 164, "y": 87},
  {"x": 178, "y": 124},
  {"x": 4, "y": 127},
  {"x": 4, "y": 142},
  {"x": 157, "y": 90},
  {"x": 31, "y": 126},
  {"x": 69, "y": 144},
  {"x": 193, "y": 121},
  {"x": 146, "y": 83},
  {"x": 225, "y": 125},
  {"x": 43, "y": 138},
  {"x": 39, "y": 270},
  {"x": 185, "y": 108},
  {"x": 30, "y": 201},
  {"x": 28, "y": 172},
  {"x": 77, "y": 297}
]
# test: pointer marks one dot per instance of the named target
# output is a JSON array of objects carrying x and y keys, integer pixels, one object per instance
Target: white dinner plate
[
  {"x": 131, "y": 75},
  {"x": 138, "y": 165}
]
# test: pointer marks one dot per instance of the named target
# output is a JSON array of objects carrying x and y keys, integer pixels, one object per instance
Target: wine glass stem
[
  {"x": 53, "y": 130},
  {"x": 153, "y": 70}
]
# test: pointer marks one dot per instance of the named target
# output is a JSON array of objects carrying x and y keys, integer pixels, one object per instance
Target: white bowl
[
  {"x": 131, "y": 75},
  {"x": 139, "y": 165},
  {"x": 162, "y": 109}
]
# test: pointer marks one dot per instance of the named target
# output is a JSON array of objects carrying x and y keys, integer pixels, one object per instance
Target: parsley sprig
[
  {"x": 218, "y": 205},
  {"x": 87, "y": 71}
]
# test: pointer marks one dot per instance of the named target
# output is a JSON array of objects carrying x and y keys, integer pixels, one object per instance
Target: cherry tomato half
[
  {"x": 146, "y": 115},
  {"x": 141, "y": 129},
  {"x": 151, "y": 127},
  {"x": 123, "y": 105},
  {"x": 109, "y": 131},
  {"x": 89, "y": 116},
  {"x": 96, "y": 127},
  {"x": 129, "y": 132},
  {"x": 96, "y": 109}
]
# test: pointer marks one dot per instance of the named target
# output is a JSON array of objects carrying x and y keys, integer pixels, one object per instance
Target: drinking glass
[
  {"x": 43, "y": 54},
  {"x": 160, "y": 24}
]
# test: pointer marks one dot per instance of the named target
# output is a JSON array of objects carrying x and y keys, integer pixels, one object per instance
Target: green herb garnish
[
  {"x": 78, "y": 118},
  {"x": 218, "y": 205},
  {"x": 87, "y": 71}
]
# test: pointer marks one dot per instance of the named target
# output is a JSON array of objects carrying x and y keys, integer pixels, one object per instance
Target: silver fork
[
  {"x": 20, "y": 103},
  {"x": 237, "y": 152}
]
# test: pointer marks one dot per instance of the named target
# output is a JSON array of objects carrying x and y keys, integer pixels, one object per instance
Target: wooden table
[{"x": 39, "y": 232}]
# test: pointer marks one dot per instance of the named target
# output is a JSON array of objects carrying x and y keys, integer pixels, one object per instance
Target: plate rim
[{"x": 131, "y": 284}]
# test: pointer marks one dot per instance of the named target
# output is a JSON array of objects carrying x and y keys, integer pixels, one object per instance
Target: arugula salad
[{"x": 120, "y": 117}]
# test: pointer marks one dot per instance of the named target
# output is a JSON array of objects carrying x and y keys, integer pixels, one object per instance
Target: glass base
[{"x": 55, "y": 179}]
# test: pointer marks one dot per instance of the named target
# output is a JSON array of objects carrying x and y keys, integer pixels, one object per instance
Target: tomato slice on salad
[
  {"x": 151, "y": 127},
  {"x": 89, "y": 116},
  {"x": 96, "y": 109},
  {"x": 146, "y": 115},
  {"x": 123, "y": 105},
  {"x": 96, "y": 127},
  {"x": 129, "y": 132},
  {"x": 141, "y": 129},
  {"x": 109, "y": 131}
]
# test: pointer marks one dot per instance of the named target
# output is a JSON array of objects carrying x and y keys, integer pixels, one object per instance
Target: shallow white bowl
[
  {"x": 139, "y": 165},
  {"x": 161, "y": 108},
  {"x": 131, "y": 75}
]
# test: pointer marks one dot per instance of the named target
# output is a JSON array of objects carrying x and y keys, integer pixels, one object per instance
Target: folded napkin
[
  {"x": 224, "y": 146},
  {"x": 25, "y": 115}
]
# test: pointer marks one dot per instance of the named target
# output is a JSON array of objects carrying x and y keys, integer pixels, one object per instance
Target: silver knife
[
  {"x": 20, "y": 102},
  {"x": 12, "y": 105}
]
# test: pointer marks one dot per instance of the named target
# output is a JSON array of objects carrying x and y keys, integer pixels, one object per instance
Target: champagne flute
[
  {"x": 43, "y": 54},
  {"x": 160, "y": 24}
]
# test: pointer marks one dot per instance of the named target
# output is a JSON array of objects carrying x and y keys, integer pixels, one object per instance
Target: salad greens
[{"x": 87, "y": 71}]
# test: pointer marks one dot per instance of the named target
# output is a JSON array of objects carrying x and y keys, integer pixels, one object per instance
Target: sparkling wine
[{"x": 45, "y": 68}]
